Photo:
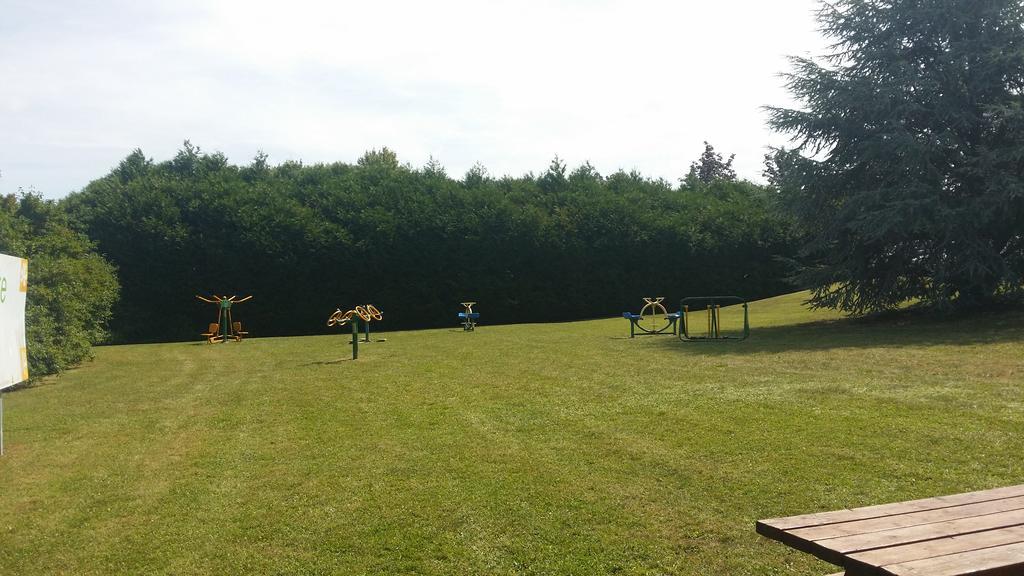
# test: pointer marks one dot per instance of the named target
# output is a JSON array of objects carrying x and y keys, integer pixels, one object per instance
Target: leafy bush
[{"x": 71, "y": 288}]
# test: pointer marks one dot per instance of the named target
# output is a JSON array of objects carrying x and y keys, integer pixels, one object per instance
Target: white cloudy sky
[{"x": 623, "y": 84}]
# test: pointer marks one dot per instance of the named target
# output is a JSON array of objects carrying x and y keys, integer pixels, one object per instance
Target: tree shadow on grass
[{"x": 892, "y": 330}]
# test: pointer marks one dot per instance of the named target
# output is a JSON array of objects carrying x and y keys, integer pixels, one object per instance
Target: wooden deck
[{"x": 977, "y": 533}]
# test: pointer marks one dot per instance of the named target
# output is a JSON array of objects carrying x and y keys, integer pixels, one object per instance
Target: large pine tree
[{"x": 910, "y": 178}]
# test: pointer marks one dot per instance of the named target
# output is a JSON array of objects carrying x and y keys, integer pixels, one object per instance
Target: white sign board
[{"x": 13, "y": 352}]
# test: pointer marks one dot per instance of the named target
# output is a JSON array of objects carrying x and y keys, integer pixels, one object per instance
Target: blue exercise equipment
[
  {"x": 468, "y": 318},
  {"x": 650, "y": 310}
]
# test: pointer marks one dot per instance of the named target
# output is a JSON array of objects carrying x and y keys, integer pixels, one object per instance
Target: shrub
[{"x": 72, "y": 289}]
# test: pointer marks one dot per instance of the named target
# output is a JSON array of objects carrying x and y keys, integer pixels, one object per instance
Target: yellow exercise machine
[
  {"x": 224, "y": 327},
  {"x": 366, "y": 313}
]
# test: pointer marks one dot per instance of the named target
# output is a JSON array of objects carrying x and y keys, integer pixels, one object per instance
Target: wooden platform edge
[
  {"x": 818, "y": 551},
  {"x": 888, "y": 509}
]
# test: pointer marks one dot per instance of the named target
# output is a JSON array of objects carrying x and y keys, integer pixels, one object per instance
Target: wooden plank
[
  {"x": 1005, "y": 560},
  {"x": 866, "y": 512},
  {"x": 845, "y": 545},
  {"x": 938, "y": 547},
  {"x": 837, "y": 550},
  {"x": 908, "y": 519}
]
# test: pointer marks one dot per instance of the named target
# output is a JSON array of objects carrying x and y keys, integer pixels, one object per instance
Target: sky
[{"x": 633, "y": 85}]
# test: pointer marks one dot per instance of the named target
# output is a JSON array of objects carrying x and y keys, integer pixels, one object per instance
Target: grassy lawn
[{"x": 529, "y": 449}]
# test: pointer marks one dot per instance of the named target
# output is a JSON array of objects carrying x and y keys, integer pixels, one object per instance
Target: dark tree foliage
[
  {"x": 782, "y": 169},
  {"x": 912, "y": 140},
  {"x": 71, "y": 289},
  {"x": 710, "y": 168},
  {"x": 305, "y": 239}
]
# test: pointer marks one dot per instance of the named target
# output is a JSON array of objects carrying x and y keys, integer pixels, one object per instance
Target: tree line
[{"x": 304, "y": 239}]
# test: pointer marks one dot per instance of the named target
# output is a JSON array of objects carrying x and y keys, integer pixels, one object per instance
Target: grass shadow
[{"x": 327, "y": 362}]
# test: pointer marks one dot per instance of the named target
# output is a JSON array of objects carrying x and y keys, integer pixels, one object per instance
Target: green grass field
[{"x": 528, "y": 449}]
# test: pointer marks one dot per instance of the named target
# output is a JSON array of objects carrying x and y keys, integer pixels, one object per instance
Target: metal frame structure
[{"x": 712, "y": 309}]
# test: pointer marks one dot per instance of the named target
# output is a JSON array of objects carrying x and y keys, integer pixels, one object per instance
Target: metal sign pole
[{"x": 1, "y": 423}]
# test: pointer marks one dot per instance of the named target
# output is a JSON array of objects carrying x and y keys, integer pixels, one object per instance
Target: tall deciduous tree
[
  {"x": 710, "y": 167},
  {"x": 911, "y": 174}
]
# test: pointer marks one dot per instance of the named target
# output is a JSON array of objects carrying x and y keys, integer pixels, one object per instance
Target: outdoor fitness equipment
[
  {"x": 365, "y": 313},
  {"x": 712, "y": 307},
  {"x": 224, "y": 328},
  {"x": 469, "y": 317},
  {"x": 650, "y": 310}
]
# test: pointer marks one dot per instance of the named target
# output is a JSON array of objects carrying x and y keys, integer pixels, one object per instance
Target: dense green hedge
[
  {"x": 71, "y": 289},
  {"x": 304, "y": 239}
]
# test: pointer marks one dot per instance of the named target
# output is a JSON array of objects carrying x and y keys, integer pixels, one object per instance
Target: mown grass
[{"x": 529, "y": 449}]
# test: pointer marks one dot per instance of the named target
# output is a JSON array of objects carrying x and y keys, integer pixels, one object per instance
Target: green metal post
[
  {"x": 746, "y": 321},
  {"x": 225, "y": 305},
  {"x": 355, "y": 337},
  {"x": 367, "y": 330}
]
